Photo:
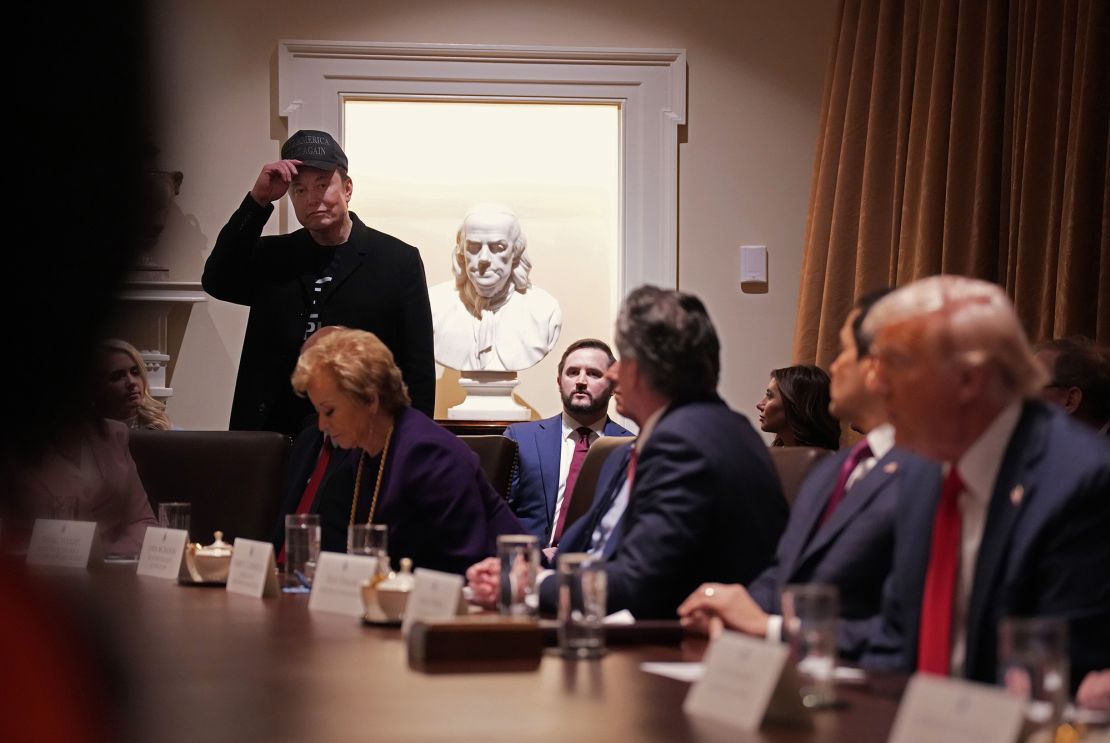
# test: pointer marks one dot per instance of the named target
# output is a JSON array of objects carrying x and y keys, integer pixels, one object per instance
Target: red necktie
[
  {"x": 313, "y": 485},
  {"x": 858, "y": 453},
  {"x": 934, "y": 642},
  {"x": 631, "y": 476},
  {"x": 580, "y": 450}
]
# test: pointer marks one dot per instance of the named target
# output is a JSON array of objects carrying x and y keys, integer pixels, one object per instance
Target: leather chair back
[
  {"x": 233, "y": 479},
  {"x": 498, "y": 456},
  {"x": 793, "y": 463},
  {"x": 586, "y": 484}
]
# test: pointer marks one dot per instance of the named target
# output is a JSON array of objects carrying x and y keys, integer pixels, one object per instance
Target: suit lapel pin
[
  {"x": 890, "y": 468},
  {"x": 1016, "y": 495}
]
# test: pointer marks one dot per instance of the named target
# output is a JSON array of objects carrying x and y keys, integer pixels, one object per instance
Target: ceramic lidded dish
[
  {"x": 209, "y": 563},
  {"x": 384, "y": 598}
]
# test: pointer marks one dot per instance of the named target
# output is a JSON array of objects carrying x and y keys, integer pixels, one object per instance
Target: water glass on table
[
  {"x": 809, "y": 613},
  {"x": 1033, "y": 664},
  {"x": 519, "y": 555},
  {"x": 174, "y": 515},
  {"x": 302, "y": 548},
  {"x": 581, "y": 582},
  {"x": 370, "y": 540}
]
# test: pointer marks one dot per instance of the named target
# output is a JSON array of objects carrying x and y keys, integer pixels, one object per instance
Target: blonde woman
[{"x": 122, "y": 391}]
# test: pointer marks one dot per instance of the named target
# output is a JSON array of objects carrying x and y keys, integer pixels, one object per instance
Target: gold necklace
[{"x": 377, "y": 484}]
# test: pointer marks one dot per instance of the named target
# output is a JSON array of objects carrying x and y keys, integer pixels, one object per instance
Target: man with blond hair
[{"x": 1019, "y": 526}]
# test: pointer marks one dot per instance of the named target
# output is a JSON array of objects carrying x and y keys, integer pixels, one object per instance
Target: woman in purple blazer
[{"x": 407, "y": 471}]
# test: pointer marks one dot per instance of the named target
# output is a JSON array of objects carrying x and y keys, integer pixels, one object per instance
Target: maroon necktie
[
  {"x": 857, "y": 454},
  {"x": 313, "y": 485},
  {"x": 580, "y": 450},
  {"x": 934, "y": 641}
]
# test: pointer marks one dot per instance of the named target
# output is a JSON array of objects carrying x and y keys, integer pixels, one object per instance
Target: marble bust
[{"x": 491, "y": 317}]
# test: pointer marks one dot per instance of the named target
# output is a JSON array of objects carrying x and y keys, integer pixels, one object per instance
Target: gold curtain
[{"x": 963, "y": 136}]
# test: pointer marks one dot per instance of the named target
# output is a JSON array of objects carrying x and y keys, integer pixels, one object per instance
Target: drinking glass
[
  {"x": 519, "y": 555},
  {"x": 370, "y": 540},
  {"x": 1033, "y": 664},
  {"x": 809, "y": 613},
  {"x": 581, "y": 582},
  {"x": 174, "y": 515},
  {"x": 62, "y": 506},
  {"x": 302, "y": 548}
]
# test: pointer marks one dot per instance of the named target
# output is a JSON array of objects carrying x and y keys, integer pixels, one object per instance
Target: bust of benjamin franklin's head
[{"x": 490, "y": 257}]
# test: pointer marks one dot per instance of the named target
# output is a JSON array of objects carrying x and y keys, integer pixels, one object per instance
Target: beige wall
[{"x": 745, "y": 158}]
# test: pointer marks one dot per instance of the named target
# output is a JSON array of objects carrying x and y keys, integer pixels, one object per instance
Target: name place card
[
  {"x": 956, "y": 711},
  {"x": 337, "y": 585},
  {"x": 435, "y": 597},
  {"x": 253, "y": 569},
  {"x": 746, "y": 681},
  {"x": 163, "y": 550},
  {"x": 64, "y": 544}
]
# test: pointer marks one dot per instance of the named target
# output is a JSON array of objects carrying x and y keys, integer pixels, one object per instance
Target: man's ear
[
  {"x": 1073, "y": 399},
  {"x": 348, "y": 189},
  {"x": 971, "y": 382}
]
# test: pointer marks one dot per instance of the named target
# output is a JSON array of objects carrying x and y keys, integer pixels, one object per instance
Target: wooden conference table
[{"x": 211, "y": 666}]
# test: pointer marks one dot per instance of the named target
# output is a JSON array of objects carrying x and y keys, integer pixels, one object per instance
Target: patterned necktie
[
  {"x": 576, "y": 460},
  {"x": 934, "y": 642},
  {"x": 857, "y": 454}
]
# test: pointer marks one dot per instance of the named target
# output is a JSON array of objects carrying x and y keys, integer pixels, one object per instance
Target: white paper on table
[
  {"x": 163, "y": 551},
  {"x": 337, "y": 583},
  {"x": 746, "y": 680},
  {"x": 624, "y": 616},
  {"x": 692, "y": 671},
  {"x": 435, "y": 596},
  {"x": 687, "y": 672},
  {"x": 252, "y": 570},
  {"x": 956, "y": 711},
  {"x": 64, "y": 544}
]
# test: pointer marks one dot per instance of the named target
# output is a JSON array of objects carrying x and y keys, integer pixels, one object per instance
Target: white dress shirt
[
  {"x": 569, "y": 441},
  {"x": 978, "y": 468}
]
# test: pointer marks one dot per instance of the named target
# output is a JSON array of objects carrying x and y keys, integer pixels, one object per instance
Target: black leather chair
[
  {"x": 498, "y": 456},
  {"x": 233, "y": 479},
  {"x": 793, "y": 463}
]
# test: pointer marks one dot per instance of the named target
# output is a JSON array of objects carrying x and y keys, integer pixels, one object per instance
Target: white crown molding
[{"x": 316, "y": 77}]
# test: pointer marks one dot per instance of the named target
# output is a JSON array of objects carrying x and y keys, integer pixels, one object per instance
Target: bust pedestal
[{"x": 489, "y": 397}]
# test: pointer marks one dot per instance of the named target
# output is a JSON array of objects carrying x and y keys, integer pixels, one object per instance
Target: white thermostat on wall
[{"x": 753, "y": 264}]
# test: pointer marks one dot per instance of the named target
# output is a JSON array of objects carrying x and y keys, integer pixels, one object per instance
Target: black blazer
[
  {"x": 705, "y": 505},
  {"x": 1045, "y": 551},
  {"x": 379, "y": 286},
  {"x": 854, "y": 550}
]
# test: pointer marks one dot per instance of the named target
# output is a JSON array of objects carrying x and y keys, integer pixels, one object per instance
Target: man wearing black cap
[{"x": 335, "y": 271}]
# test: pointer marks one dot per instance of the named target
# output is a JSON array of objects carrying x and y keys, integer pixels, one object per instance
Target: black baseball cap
[{"x": 314, "y": 149}]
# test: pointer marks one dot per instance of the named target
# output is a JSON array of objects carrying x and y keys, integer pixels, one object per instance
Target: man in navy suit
[
  {"x": 552, "y": 450},
  {"x": 1019, "y": 526},
  {"x": 841, "y": 528},
  {"x": 697, "y": 499}
]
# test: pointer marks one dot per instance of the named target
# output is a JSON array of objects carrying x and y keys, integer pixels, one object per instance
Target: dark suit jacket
[
  {"x": 378, "y": 286},
  {"x": 302, "y": 461},
  {"x": 705, "y": 506},
  {"x": 853, "y": 551},
  {"x": 440, "y": 509},
  {"x": 1045, "y": 551},
  {"x": 536, "y": 479}
]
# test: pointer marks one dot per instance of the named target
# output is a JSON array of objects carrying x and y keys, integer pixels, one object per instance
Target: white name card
[
  {"x": 956, "y": 711},
  {"x": 337, "y": 585},
  {"x": 64, "y": 544},
  {"x": 435, "y": 596},
  {"x": 162, "y": 552},
  {"x": 252, "y": 569},
  {"x": 745, "y": 681}
]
